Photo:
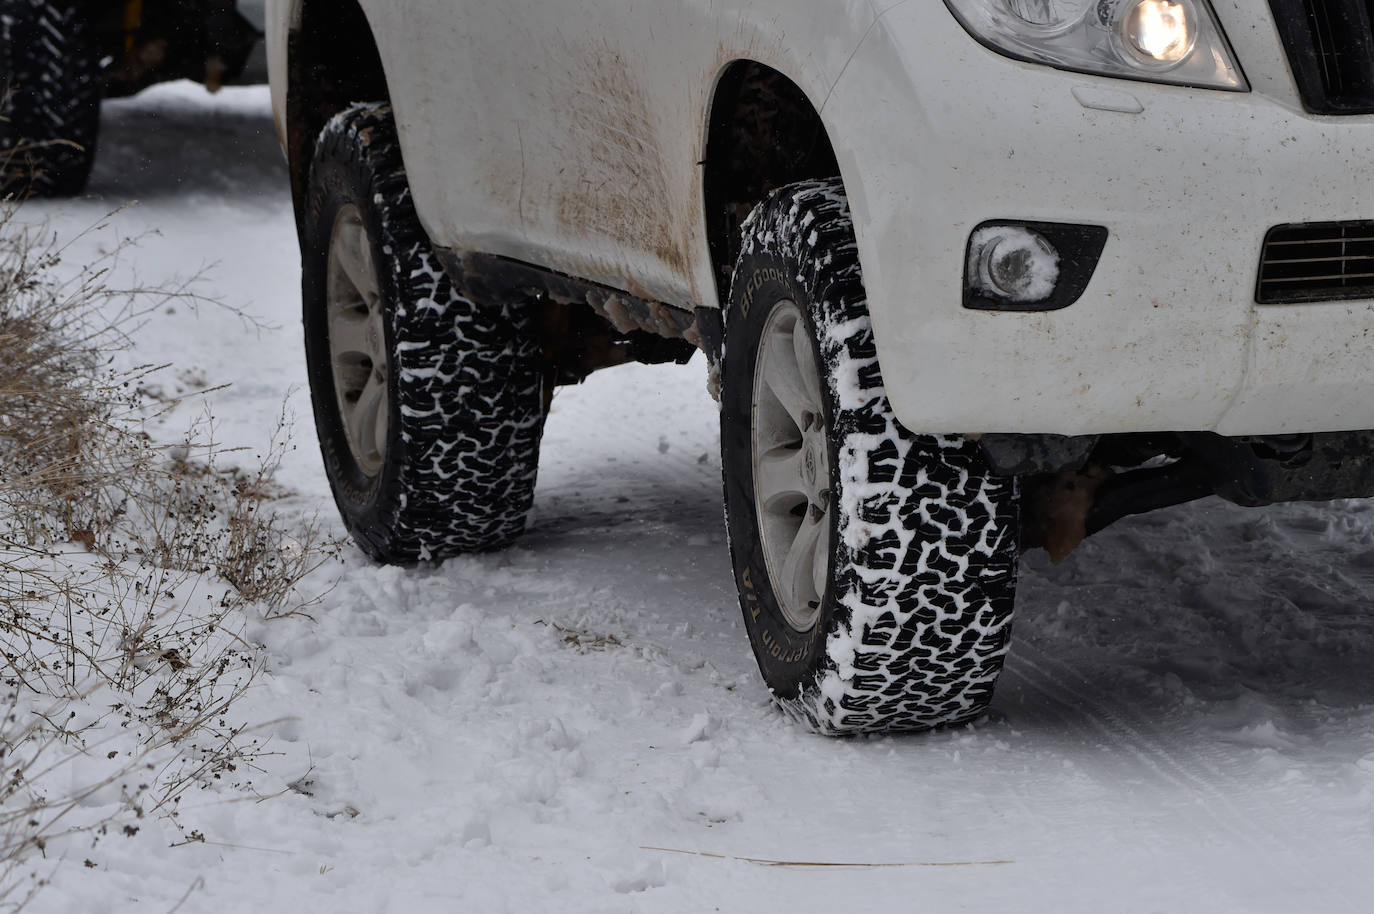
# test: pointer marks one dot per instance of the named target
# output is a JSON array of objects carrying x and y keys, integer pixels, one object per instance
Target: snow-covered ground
[{"x": 1186, "y": 722}]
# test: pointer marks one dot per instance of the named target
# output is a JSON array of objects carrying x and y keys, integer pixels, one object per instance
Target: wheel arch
[
  {"x": 762, "y": 132},
  {"x": 332, "y": 62}
]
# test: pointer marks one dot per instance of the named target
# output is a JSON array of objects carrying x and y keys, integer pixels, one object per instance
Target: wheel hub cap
[
  {"x": 791, "y": 466},
  {"x": 357, "y": 341}
]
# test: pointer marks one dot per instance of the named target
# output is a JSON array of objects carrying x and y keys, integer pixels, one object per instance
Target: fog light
[
  {"x": 1159, "y": 32},
  {"x": 1013, "y": 263}
]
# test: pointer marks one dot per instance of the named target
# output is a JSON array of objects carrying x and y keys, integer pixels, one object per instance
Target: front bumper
[{"x": 936, "y": 134}]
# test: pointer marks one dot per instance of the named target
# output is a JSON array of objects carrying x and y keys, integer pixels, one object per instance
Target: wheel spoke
[
  {"x": 820, "y": 563},
  {"x": 784, "y": 378},
  {"x": 807, "y": 369},
  {"x": 376, "y": 338},
  {"x": 354, "y": 251},
  {"x": 780, "y": 485},
  {"x": 349, "y": 332},
  {"x": 367, "y": 419},
  {"x": 379, "y": 427},
  {"x": 798, "y": 569}
]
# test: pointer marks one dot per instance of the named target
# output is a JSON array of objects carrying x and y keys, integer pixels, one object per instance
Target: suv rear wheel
[
  {"x": 876, "y": 568},
  {"x": 429, "y": 406},
  {"x": 50, "y": 115}
]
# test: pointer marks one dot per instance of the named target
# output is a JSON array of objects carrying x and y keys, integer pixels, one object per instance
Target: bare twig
[{"x": 812, "y": 864}]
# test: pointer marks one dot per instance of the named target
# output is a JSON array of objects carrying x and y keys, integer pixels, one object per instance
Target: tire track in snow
[{"x": 1135, "y": 741}]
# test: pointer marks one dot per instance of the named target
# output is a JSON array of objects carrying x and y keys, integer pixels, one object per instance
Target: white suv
[{"x": 972, "y": 276}]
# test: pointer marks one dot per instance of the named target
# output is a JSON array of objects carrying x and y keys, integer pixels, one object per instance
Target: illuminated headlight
[
  {"x": 1159, "y": 31},
  {"x": 1173, "y": 41}
]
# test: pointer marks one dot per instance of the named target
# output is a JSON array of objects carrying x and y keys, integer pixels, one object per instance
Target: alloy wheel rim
[
  {"x": 791, "y": 458},
  {"x": 357, "y": 341}
]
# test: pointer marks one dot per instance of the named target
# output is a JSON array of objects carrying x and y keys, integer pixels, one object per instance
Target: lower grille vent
[{"x": 1317, "y": 261}]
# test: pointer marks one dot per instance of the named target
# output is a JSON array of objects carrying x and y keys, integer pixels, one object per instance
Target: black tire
[
  {"x": 51, "y": 111},
  {"x": 915, "y": 618},
  {"x": 464, "y": 403}
]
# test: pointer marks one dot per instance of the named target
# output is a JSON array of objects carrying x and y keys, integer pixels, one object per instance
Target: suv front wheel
[{"x": 876, "y": 568}]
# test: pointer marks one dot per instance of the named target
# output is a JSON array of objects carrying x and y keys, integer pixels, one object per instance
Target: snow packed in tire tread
[
  {"x": 924, "y": 574},
  {"x": 467, "y": 380}
]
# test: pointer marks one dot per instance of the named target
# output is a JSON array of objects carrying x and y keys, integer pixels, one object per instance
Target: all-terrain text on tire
[
  {"x": 876, "y": 568},
  {"x": 429, "y": 405}
]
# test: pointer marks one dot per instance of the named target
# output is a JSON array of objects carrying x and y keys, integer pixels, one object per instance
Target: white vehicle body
[{"x": 571, "y": 137}]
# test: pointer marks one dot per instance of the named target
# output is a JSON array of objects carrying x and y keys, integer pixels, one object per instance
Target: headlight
[{"x": 1171, "y": 41}]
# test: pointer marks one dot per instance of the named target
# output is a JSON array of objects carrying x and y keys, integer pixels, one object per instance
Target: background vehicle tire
[
  {"x": 429, "y": 406},
  {"x": 52, "y": 109},
  {"x": 903, "y": 616}
]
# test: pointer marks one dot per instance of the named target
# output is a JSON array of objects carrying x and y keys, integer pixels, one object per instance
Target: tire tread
[
  {"x": 52, "y": 104},
  {"x": 926, "y": 559},
  {"x": 467, "y": 374}
]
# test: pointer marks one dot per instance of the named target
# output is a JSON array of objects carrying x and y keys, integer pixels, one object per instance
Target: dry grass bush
[
  {"x": 125, "y": 568},
  {"x": 212, "y": 521}
]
